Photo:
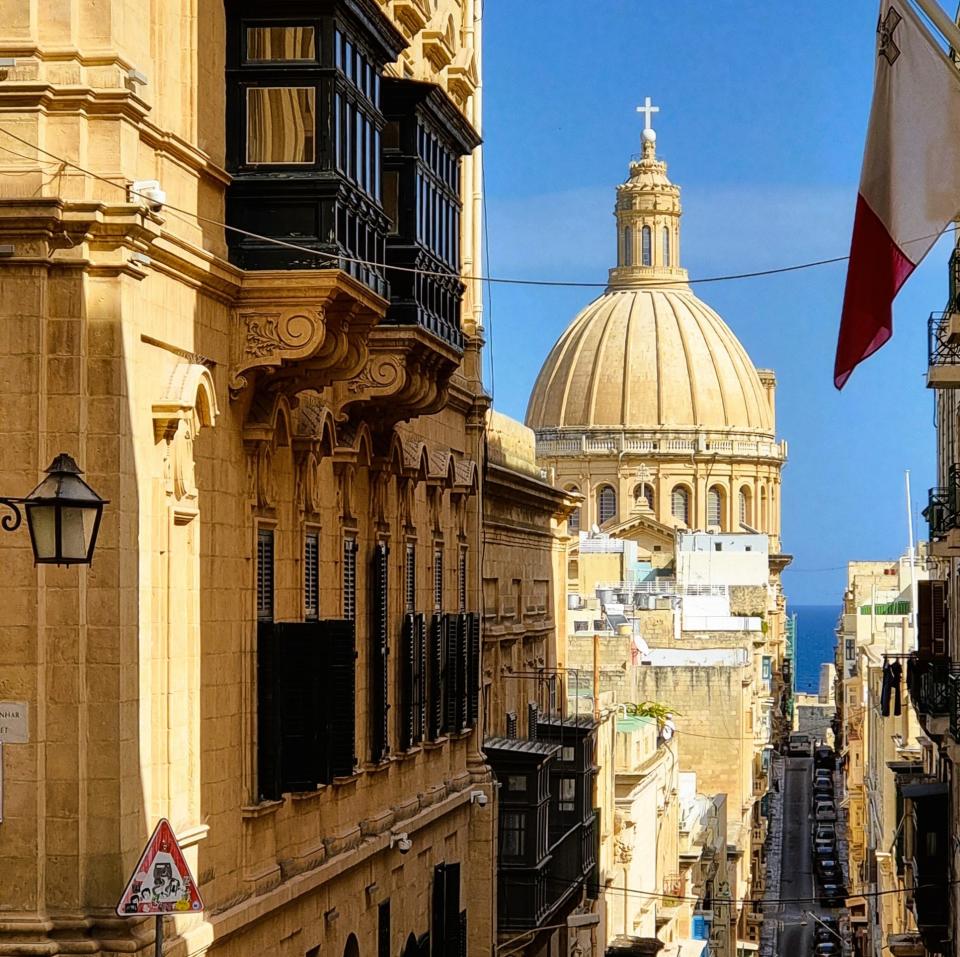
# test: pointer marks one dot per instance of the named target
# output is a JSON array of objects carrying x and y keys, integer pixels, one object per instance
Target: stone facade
[{"x": 211, "y": 404}]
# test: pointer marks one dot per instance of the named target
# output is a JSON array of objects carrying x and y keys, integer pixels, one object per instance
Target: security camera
[
  {"x": 148, "y": 191},
  {"x": 479, "y": 797},
  {"x": 401, "y": 842}
]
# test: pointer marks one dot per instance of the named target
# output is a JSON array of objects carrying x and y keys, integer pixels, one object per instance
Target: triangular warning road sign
[{"x": 161, "y": 881}]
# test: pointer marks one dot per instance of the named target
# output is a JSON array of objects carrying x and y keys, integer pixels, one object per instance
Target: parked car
[
  {"x": 824, "y": 757},
  {"x": 833, "y": 895},
  {"x": 831, "y": 874},
  {"x": 827, "y": 948},
  {"x": 825, "y": 848},
  {"x": 827, "y": 928},
  {"x": 799, "y": 745},
  {"x": 825, "y": 811},
  {"x": 823, "y": 790},
  {"x": 822, "y": 775},
  {"x": 825, "y": 829}
]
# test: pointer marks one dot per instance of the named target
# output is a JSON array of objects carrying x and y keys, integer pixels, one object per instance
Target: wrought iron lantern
[{"x": 63, "y": 516}]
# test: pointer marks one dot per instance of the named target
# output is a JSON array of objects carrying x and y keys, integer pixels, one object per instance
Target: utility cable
[{"x": 335, "y": 258}]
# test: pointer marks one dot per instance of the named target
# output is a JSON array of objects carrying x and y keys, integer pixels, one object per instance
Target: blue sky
[{"x": 764, "y": 108}]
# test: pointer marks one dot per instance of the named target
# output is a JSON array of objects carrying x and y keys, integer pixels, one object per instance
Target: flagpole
[{"x": 942, "y": 21}]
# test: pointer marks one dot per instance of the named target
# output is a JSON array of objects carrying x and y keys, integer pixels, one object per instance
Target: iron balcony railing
[
  {"x": 943, "y": 507},
  {"x": 935, "y": 690},
  {"x": 941, "y": 350}
]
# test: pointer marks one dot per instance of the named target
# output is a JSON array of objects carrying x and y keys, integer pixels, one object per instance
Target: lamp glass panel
[
  {"x": 76, "y": 527},
  {"x": 42, "y": 520}
]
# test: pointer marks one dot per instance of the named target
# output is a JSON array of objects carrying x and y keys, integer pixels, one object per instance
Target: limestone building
[{"x": 232, "y": 239}]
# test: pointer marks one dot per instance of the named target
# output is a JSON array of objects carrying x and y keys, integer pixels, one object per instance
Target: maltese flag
[{"x": 910, "y": 181}]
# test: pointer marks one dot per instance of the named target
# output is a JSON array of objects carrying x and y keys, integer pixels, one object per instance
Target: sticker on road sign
[{"x": 161, "y": 882}]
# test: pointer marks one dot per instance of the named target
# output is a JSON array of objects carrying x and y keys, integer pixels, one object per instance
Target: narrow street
[{"x": 797, "y": 882}]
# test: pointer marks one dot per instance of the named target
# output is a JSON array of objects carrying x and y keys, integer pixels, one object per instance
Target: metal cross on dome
[{"x": 648, "y": 109}]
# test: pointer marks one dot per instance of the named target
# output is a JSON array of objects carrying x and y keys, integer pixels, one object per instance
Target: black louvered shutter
[
  {"x": 511, "y": 724},
  {"x": 339, "y": 697},
  {"x": 420, "y": 678},
  {"x": 265, "y": 566},
  {"x": 438, "y": 913},
  {"x": 463, "y": 670},
  {"x": 268, "y": 715},
  {"x": 533, "y": 718},
  {"x": 932, "y": 633},
  {"x": 452, "y": 661},
  {"x": 299, "y": 664},
  {"x": 473, "y": 674},
  {"x": 435, "y": 678},
  {"x": 408, "y": 680},
  {"x": 451, "y": 920},
  {"x": 349, "y": 579},
  {"x": 311, "y": 576},
  {"x": 463, "y": 934},
  {"x": 379, "y": 650}
]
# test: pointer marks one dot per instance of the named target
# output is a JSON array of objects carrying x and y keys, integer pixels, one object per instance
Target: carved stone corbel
[{"x": 304, "y": 330}]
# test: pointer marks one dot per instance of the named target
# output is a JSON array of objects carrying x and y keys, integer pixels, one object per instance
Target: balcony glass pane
[
  {"x": 285, "y": 44},
  {"x": 281, "y": 125}
]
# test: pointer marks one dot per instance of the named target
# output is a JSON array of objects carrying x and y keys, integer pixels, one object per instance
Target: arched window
[
  {"x": 745, "y": 517},
  {"x": 715, "y": 507},
  {"x": 627, "y": 246},
  {"x": 646, "y": 246},
  {"x": 606, "y": 503},
  {"x": 680, "y": 504},
  {"x": 763, "y": 510},
  {"x": 643, "y": 495},
  {"x": 666, "y": 245},
  {"x": 573, "y": 522}
]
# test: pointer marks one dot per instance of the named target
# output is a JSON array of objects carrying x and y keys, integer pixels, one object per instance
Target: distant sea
[{"x": 815, "y": 641}]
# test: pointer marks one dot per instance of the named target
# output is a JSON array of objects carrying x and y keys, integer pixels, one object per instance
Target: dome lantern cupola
[{"x": 648, "y": 219}]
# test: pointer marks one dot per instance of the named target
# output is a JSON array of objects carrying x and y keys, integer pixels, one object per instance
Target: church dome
[
  {"x": 648, "y": 354},
  {"x": 649, "y": 359}
]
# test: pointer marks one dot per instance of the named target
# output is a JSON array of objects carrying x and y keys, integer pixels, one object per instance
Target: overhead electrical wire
[{"x": 337, "y": 258}]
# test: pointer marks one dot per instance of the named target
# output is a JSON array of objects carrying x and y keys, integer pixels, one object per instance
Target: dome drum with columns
[{"x": 648, "y": 404}]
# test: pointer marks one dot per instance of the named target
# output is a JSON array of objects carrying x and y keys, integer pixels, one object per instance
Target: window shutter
[
  {"x": 435, "y": 697},
  {"x": 379, "y": 677},
  {"x": 300, "y": 665},
  {"x": 438, "y": 913},
  {"x": 463, "y": 670},
  {"x": 932, "y": 626},
  {"x": 463, "y": 934},
  {"x": 533, "y": 716},
  {"x": 410, "y": 578},
  {"x": 451, "y": 920},
  {"x": 450, "y": 634},
  {"x": 408, "y": 680},
  {"x": 473, "y": 674},
  {"x": 349, "y": 584},
  {"x": 511, "y": 724},
  {"x": 420, "y": 678},
  {"x": 265, "y": 560},
  {"x": 268, "y": 715},
  {"x": 438, "y": 579},
  {"x": 462, "y": 580},
  {"x": 311, "y": 576},
  {"x": 339, "y": 698},
  {"x": 383, "y": 929}
]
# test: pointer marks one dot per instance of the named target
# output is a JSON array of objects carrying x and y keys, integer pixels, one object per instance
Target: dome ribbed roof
[{"x": 642, "y": 358}]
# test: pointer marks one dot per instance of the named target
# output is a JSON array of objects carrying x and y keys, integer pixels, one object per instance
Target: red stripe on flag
[{"x": 877, "y": 270}]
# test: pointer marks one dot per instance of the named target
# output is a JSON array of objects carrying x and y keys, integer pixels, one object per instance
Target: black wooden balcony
[{"x": 942, "y": 512}]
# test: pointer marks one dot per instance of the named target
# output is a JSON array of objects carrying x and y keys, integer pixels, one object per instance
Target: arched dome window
[
  {"x": 627, "y": 246},
  {"x": 573, "y": 522},
  {"x": 646, "y": 246},
  {"x": 666, "y": 245},
  {"x": 715, "y": 507},
  {"x": 680, "y": 504},
  {"x": 746, "y": 518},
  {"x": 643, "y": 494},
  {"x": 763, "y": 510},
  {"x": 606, "y": 503}
]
